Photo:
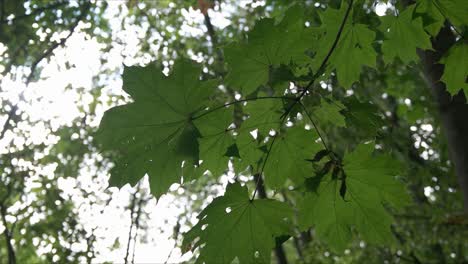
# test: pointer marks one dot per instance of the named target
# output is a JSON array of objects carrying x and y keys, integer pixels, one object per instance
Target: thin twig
[
  {"x": 315, "y": 127},
  {"x": 132, "y": 209},
  {"x": 240, "y": 101},
  {"x": 323, "y": 65}
]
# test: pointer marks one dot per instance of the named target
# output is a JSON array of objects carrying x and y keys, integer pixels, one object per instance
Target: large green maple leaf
[
  {"x": 355, "y": 199},
  {"x": 269, "y": 45},
  {"x": 403, "y": 35},
  {"x": 456, "y": 68},
  {"x": 155, "y": 134},
  {"x": 234, "y": 226},
  {"x": 354, "y": 48}
]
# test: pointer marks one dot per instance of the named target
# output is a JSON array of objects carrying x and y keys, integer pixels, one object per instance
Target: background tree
[{"x": 396, "y": 100}]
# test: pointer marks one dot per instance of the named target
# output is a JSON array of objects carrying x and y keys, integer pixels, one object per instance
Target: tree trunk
[{"x": 453, "y": 110}]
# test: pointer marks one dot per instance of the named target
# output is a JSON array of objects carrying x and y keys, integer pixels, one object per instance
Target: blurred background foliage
[{"x": 43, "y": 223}]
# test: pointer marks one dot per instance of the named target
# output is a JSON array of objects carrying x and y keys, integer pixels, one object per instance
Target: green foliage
[
  {"x": 235, "y": 226},
  {"x": 403, "y": 34},
  {"x": 269, "y": 45},
  {"x": 456, "y": 69},
  {"x": 353, "y": 51}
]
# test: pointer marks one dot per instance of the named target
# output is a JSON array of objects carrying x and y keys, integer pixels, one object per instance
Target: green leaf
[
  {"x": 233, "y": 226},
  {"x": 369, "y": 184},
  {"x": 328, "y": 212},
  {"x": 354, "y": 48},
  {"x": 264, "y": 115},
  {"x": 329, "y": 112},
  {"x": 269, "y": 45},
  {"x": 363, "y": 117},
  {"x": 435, "y": 11},
  {"x": 403, "y": 35},
  {"x": 288, "y": 157},
  {"x": 155, "y": 134},
  {"x": 456, "y": 68},
  {"x": 216, "y": 140},
  {"x": 454, "y": 10},
  {"x": 431, "y": 15}
]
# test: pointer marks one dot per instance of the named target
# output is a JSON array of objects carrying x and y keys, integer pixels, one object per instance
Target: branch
[
  {"x": 137, "y": 225},
  {"x": 8, "y": 236},
  {"x": 240, "y": 101},
  {"x": 315, "y": 127},
  {"x": 132, "y": 210},
  {"x": 8, "y": 233}
]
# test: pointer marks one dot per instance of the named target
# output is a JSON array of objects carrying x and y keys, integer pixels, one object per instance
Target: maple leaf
[
  {"x": 355, "y": 199},
  {"x": 234, "y": 226},
  {"x": 155, "y": 134},
  {"x": 216, "y": 140},
  {"x": 354, "y": 48},
  {"x": 403, "y": 35},
  {"x": 263, "y": 115},
  {"x": 363, "y": 117},
  {"x": 436, "y": 11},
  {"x": 288, "y": 157},
  {"x": 269, "y": 45},
  {"x": 456, "y": 68},
  {"x": 329, "y": 112}
]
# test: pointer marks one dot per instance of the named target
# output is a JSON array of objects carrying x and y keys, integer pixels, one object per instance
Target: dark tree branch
[
  {"x": 137, "y": 225},
  {"x": 133, "y": 204},
  {"x": 7, "y": 232}
]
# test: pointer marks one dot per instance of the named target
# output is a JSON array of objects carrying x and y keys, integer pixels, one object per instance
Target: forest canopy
[{"x": 222, "y": 131}]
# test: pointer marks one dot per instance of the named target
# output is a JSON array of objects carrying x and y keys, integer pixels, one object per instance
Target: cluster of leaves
[{"x": 176, "y": 131}]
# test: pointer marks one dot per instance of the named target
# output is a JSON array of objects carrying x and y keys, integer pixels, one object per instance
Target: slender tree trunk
[
  {"x": 8, "y": 237},
  {"x": 453, "y": 110}
]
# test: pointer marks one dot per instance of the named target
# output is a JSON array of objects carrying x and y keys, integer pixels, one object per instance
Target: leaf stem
[
  {"x": 316, "y": 128},
  {"x": 323, "y": 65},
  {"x": 240, "y": 101}
]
